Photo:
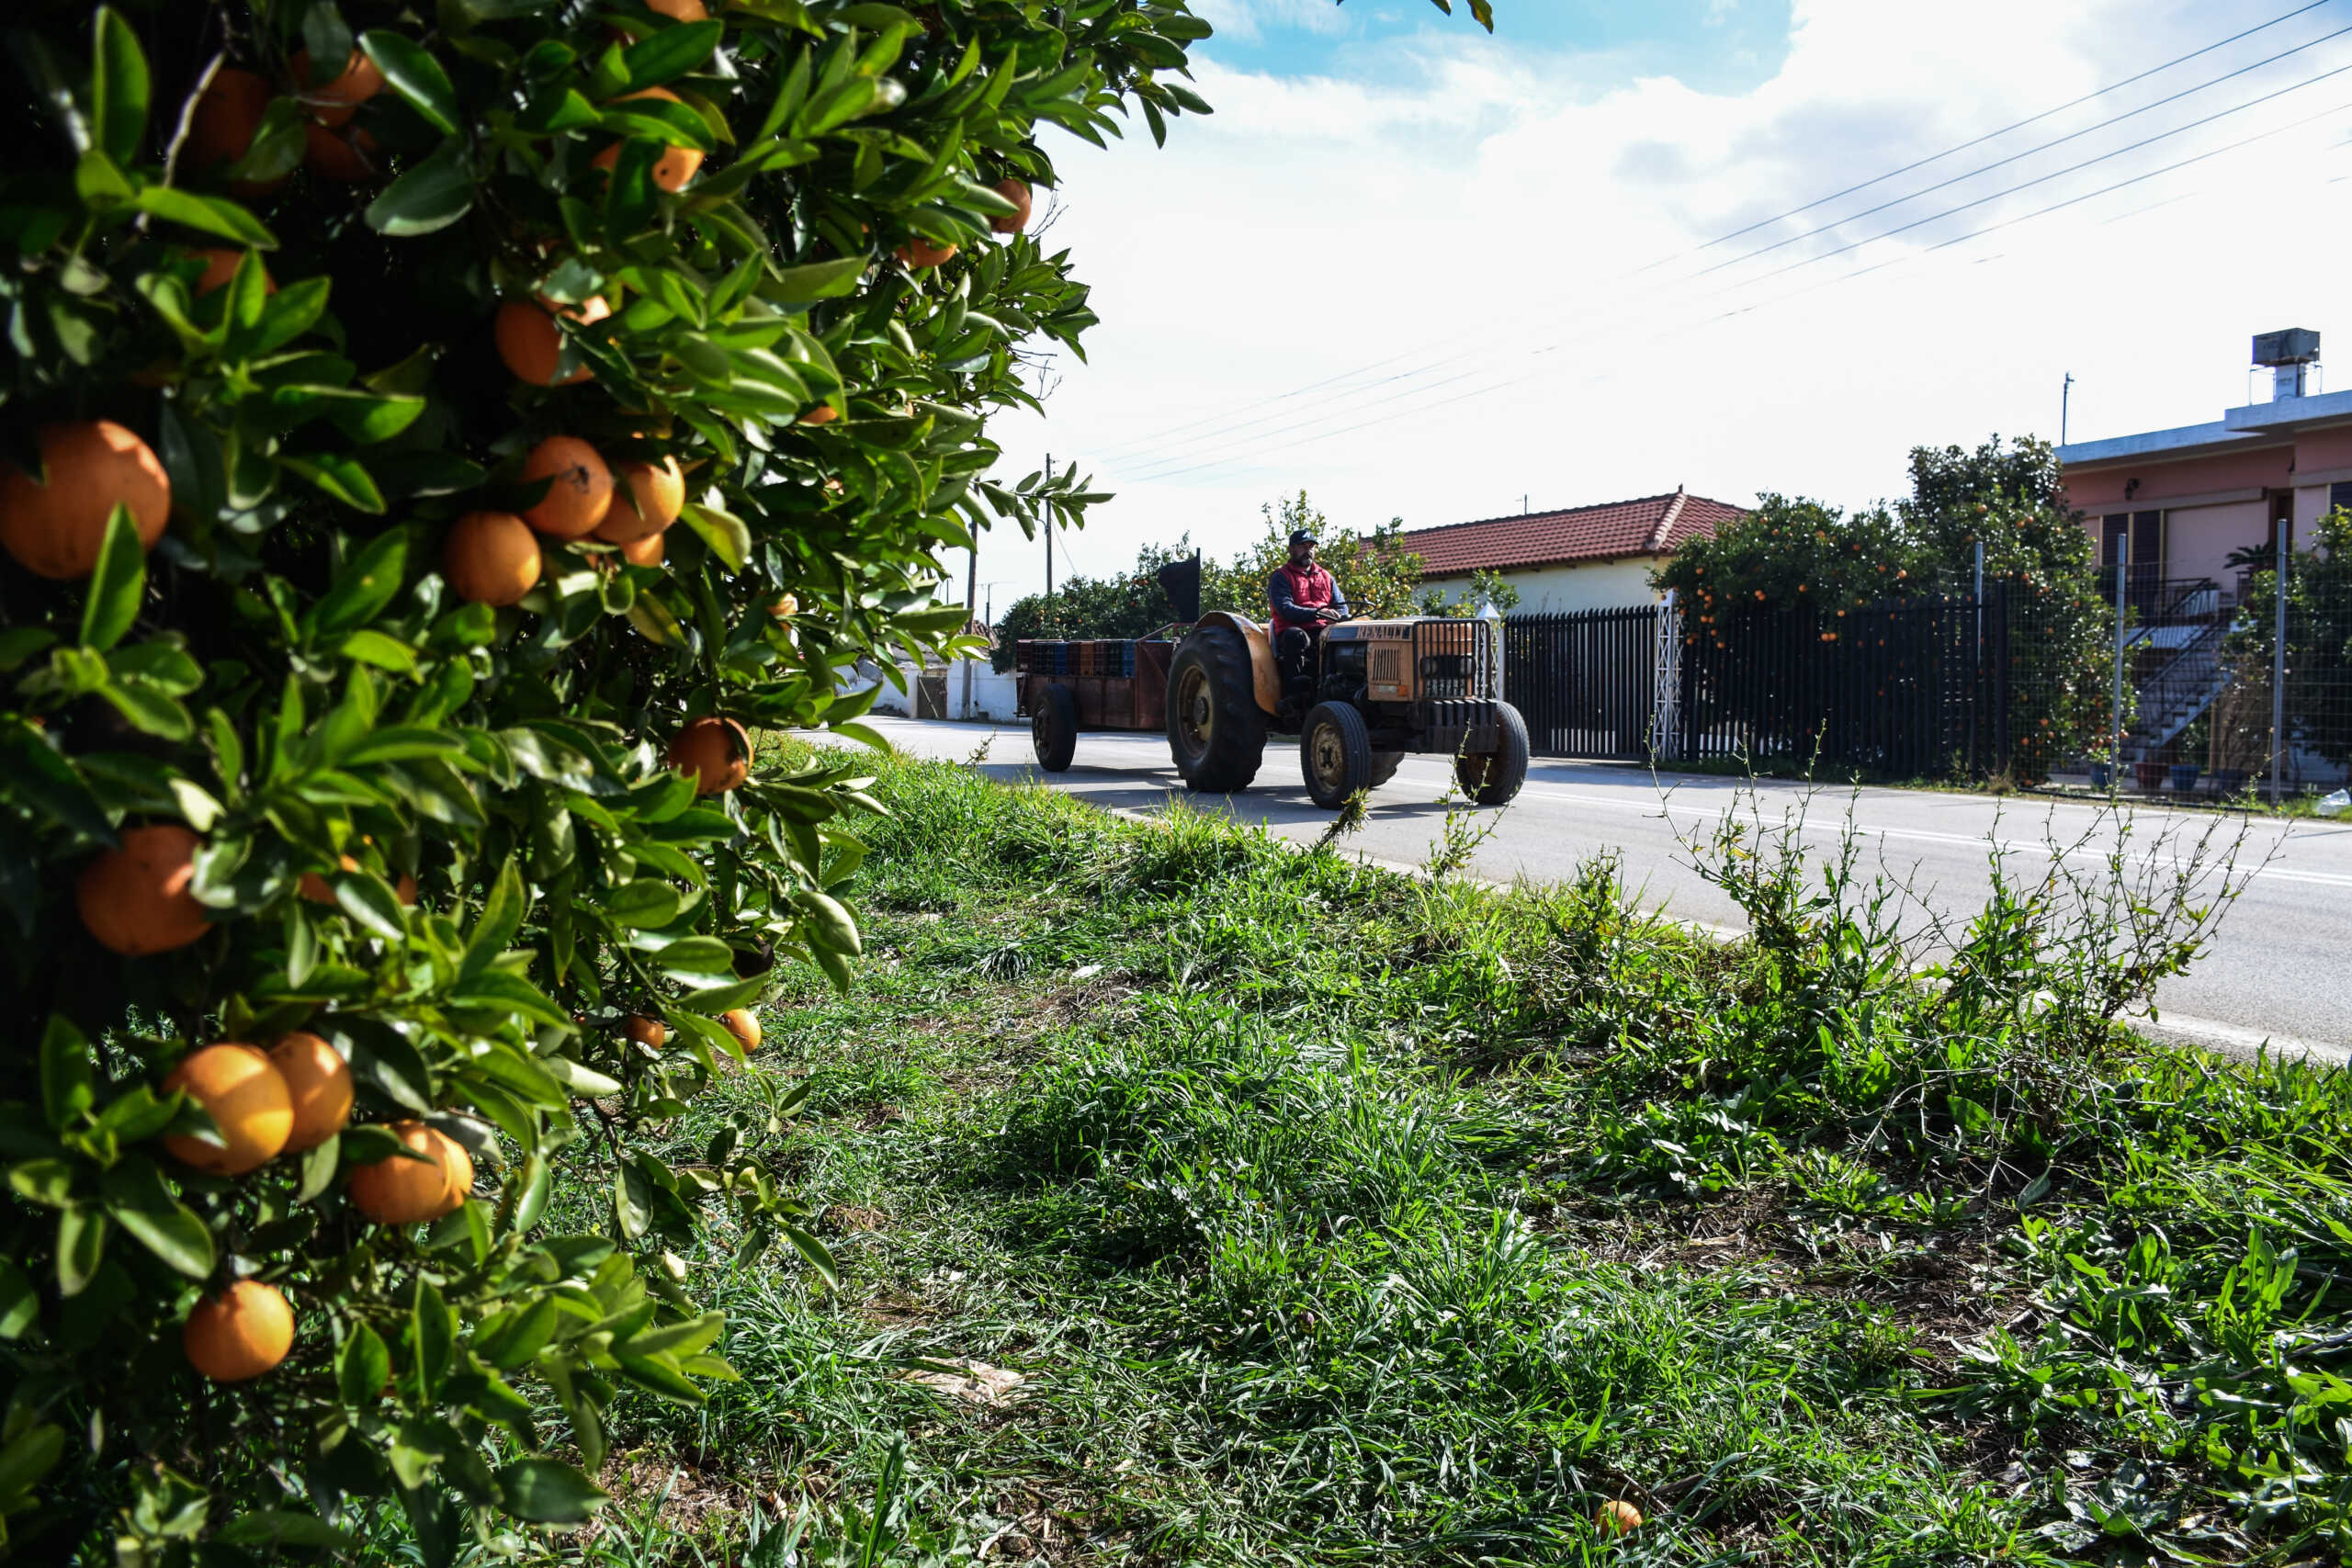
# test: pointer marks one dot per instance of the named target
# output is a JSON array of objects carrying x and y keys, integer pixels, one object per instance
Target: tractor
[{"x": 1368, "y": 693}]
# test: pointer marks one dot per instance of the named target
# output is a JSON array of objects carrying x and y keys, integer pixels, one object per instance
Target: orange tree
[{"x": 437, "y": 439}]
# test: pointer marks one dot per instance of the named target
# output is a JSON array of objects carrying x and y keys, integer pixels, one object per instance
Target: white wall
[{"x": 1558, "y": 590}]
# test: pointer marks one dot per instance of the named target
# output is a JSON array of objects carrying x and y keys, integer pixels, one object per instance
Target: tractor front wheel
[
  {"x": 1492, "y": 778},
  {"x": 1217, "y": 732},
  {"x": 1335, "y": 753},
  {"x": 1053, "y": 728}
]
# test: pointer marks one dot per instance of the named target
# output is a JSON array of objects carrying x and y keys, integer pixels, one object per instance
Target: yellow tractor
[{"x": 1369, "y": 692}]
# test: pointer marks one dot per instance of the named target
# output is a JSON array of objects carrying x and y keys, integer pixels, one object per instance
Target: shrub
[{"x": 308, "y": 730}]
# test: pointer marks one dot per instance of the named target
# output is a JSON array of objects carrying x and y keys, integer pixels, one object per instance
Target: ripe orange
[
  {"x": 335, "y": 102},
  {"x": 401, "y": 1192},
  {"x": 54, "y": 524},
  {"x": 530, "y": 342},
  {"x": 220, "y": 267},
  {"x": 674, "y": 167},
  {"x": 227, "y": 117},
  {"x": 679, "y": 10},
  {"x": 490, "y": 557},
  {"x": 247, "y": 1098},
  {"x": 318, "y": 890},
  {"x": 644, "y": 1030},
  {"x": 715, "y": 752},
  {"x": 583, "y": 490},
  {"x": 345, "y": 155},
  {"x": 1017, "y": 192},
  {"x": 239, "y": 1334},
  {"x": 919, "y": 252},
  {"x": 1617, "y": 1517},
  {"x": 318, "y": 1081},
  {"x": 743, "y": 1026},
  {"x": 646, "y": 503},
  {"x": 785, "y": 605},
  {"x": 134, "y": 899},
  {"x": 643, "y": 552},
  {"x": 823, "y": 414}
]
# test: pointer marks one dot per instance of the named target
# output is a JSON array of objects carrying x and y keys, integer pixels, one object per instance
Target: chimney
[{"x": 2287, "y": 353}]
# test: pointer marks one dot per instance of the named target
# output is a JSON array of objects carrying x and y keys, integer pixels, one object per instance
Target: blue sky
[{"x": 1724, "y": 46}]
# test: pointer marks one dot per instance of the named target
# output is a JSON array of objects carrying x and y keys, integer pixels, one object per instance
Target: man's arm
[
  {"x": 1286, "y": 603},
  {"x": 1338, "y": 598}
]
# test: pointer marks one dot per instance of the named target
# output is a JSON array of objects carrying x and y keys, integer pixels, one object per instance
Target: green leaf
[
  {"x": 117, "y": 583},
  {"x": 275, "y": 1528},
  {"x": 373, "y": 648},
  {"x": 81, "y": 1246},
  {"x": 428, "y": 198},
  {"x": 671, "y": 53},
  {"x": 432, "y": 1335},
  {"x": 29, "y": 1455},
  {"x": 65, "y": 1072},
  {"x": 727, "y": 536},
  {"x": 512, "y": 1337},
  {"x": 647, "y": 904},
  {"x": 365, "y": 584},
  {"x": 547, "y": 1491},
  {"x": 117, "y": 87},
  {"x": 175, "y": 1235},
  {"x": 819, "y": 1257},
  {"x": 36, "y": 776},
  {"x": 697, "y": 956},
  {"x": 417, "y": 76},
  {"x": 817, "y": 280},
  {"x": 340, "y": 477},
  {"x": 149, "y": 709},
  {"x": 362, "y": 1367},
  {"x": 501, "y": 916},
  {"x": 366, "y": 899},
  {"x": 19, "y": 1301},
  {"x": 205, "y": 214}
]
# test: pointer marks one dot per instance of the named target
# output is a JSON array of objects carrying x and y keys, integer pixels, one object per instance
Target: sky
[{"x": 1735, "y": 245}]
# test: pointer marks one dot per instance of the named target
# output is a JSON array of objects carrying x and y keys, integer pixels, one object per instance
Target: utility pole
[
  {"x": 971, "y": 593},
  {"x": 2065, "y": 393},
  {"x": 2278, "y": 668}
]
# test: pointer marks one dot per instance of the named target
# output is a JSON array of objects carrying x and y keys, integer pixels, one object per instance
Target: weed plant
[{"x": 1337, "y": 1216}]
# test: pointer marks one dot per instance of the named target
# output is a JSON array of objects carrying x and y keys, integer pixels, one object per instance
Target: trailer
[{"x": 1068, "y": 687}]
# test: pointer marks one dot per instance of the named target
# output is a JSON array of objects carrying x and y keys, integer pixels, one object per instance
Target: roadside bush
[{"x": 362, "y": 703}]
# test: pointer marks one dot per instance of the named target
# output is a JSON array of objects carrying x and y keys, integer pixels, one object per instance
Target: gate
[{"x": 1586, "y": 683}]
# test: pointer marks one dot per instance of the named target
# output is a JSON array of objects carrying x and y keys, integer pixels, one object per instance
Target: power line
[
  {"x": 1796, "y": 293},
  {"x": 1185, "y": 449},
  {"x": 1233, "y": 423}
]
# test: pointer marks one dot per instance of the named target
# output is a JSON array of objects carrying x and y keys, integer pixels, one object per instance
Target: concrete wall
[
  {"x": 994, "y": 696},
  {"x": 2199, "y": 539},
  {"x": 1558, "y": 590}
]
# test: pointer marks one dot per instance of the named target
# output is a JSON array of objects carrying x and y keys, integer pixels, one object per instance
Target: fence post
[
  {"x": 2278, "y": 670},
  {"x": 2122, "y": 572},
  {"x": 1976, "y": 675}
]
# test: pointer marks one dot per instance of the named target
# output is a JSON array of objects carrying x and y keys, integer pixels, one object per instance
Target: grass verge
[{"x": 1201, "y": 1201}]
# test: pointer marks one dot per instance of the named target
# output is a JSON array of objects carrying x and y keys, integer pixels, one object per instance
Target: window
[
  {"x": 2146, "y": 531},
  {"x": 2339, "y": 495}
]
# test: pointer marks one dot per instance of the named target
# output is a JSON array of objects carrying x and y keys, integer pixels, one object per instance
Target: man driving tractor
[{"x": 1303, "y": 599}]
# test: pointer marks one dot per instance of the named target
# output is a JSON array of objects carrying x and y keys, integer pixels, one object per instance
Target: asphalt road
[{"x": 2278, "y": 969}]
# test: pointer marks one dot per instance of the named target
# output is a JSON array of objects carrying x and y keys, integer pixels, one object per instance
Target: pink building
[{"x": 2187, "y": 498}]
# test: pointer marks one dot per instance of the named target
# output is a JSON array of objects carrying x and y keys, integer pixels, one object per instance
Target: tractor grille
[{"x": 1459, "y": 661}]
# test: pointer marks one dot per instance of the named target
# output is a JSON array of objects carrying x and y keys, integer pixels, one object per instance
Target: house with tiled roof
[{"x": 1586, "y": 558}]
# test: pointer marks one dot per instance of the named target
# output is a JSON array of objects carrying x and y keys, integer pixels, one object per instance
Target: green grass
[{"x": 1334, "y": 1216}]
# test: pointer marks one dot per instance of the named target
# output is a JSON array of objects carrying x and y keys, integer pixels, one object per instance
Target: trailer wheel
[
  {"x": 1492, "y": 778},
  {"x": 1217, "y": 732},
  {"x": 1335, "y": 753},
  {"x": 1053, "y": 728}
]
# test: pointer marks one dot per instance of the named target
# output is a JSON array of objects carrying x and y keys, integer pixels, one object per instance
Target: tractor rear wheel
[
  {"x": 1492, "y": 778},
  {"x": 1053, "y": 728},
  {"x": 1335, "y": 753},
  {"x": 1217, "y": 732}
]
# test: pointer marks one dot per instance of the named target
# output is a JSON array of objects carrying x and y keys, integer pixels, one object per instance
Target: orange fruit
[
  {"x": 345, "y": 155},
  {"x": 715, "y": 752},
  {"x": 247, "y": 1098},
  {"x": 240, "y": 1332},
  {"x": 53, "y": 524},
  {"x": 743, "y": 1026},
  {"x": 134, "y": 899},
  {"x": 648, "y": 502},
  {"x": 401, "y": 1192},
  {"x": 919, "y": 252},
  {"x": 583, "y": 490},
  {"x": 227, "y": 117},
  {"x": 530, "y": 342},
  {"x": 823, "y": 414},
  {"x": 643, "y": 552},
  {"x": 674, "y": 167},
  {"x": 318, "y": 1081},
  {"x": 490, "y": 557},
  {"x": 644, "y": 1030},
  {"x": 1017, "y": 192},
  {"x": 318, "y": 890},
  {"x": 785, "y": 606},
  {"x": 1617, "y": 1517},
  {"x": 679, "y": 10},
  {"x": 220, "y": 267},
  {"x": 337, "y": 101}
]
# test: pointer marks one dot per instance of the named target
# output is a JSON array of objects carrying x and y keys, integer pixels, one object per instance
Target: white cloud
[
  {"x": 1250, "y": 20},
  {"x": 1485, "y": 227}
]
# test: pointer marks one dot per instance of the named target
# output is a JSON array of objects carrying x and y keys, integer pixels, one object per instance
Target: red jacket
[{"x": 1300, "y": 589}]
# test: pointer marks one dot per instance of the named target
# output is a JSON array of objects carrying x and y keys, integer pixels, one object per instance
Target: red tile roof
[{"x": 1653, "y": 525}]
